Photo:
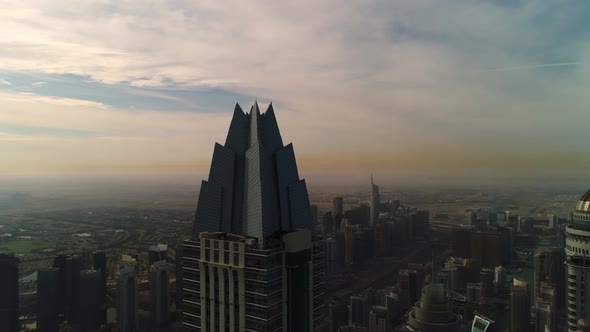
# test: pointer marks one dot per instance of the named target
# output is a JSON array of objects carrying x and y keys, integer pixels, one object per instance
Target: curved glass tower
[{"x": 577, "y": 250}]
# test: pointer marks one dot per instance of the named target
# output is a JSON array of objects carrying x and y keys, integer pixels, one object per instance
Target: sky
[{"x": 418, "y": 91}]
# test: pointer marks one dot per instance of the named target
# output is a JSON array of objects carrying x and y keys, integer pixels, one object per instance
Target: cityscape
[
  {"x": 359, "y": 261},
  {"x": 315, "y": 166}
]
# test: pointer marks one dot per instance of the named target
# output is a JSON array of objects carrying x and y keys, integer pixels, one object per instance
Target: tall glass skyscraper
[{"x": 253, "y": 263}]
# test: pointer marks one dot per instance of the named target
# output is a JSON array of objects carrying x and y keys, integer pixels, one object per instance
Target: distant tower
[
  {"x": 60, "y": 262},
  {"x": 577, "y": 250},
  {"x": 89, "y": 300},
  {"x": 99, "y": 259},
  {"x": 73, "y": 268},
  {"x": 9, "y": 293},
  {"x": 337, "y": 210},
  {"x": 520, "y": 306},
  {"x": 158, "y": 253},
  {"x": 375, "y": 203},
  {"x": 47, "y": 300},
  {"x": 160, "y": 288},
  {"x": 127, "y": 306}
]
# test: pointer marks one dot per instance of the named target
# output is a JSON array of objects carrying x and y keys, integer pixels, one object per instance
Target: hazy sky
[{"x": 413, "y": 89}]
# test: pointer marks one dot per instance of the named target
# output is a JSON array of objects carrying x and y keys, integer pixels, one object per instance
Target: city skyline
[{"x": 448, "y": 92}]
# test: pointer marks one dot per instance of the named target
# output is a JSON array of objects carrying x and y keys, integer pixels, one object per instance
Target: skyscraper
[
  {"x": 99, "y": 259},
  {"x": 89, "y": 314},
  {"x": 160, "y": 290},
  {"x": 9, "y": 293},
  {"x": 73, "y": 268},
  {"x": 47, "y": 300},
  {"x": 520, "y": 306},
  {"x": 577, "y": 252},
  {"x": 375, "y": 203},
  {"x": 60, "y": 262},
  {"x": 128, "y": 301},
  {"x": 337, "y": 212},
  {"x": 252, "y": 262}
]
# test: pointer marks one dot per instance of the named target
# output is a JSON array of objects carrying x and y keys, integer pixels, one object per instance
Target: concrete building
[
  {"x": 9, "y": 293},
  {"x": 577, "y": 250},
  {"x": 252, "y": 262}
]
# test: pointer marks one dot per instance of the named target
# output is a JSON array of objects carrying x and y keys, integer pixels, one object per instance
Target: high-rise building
[
  {"x": 432, "y": 313},
  {"x": 337, "y": 208},
  {"x": 337, "y": 315},
  {"x": 252, "y": 262},
  {"x": 160, "y": 290},
  {"x": 60, "y": 262},
  {"x": 577, "y": 250},
  {"x": 9, "y": 293},
  {"x": 499, "y": 279},
  {"x": 158, "y": 253},
  {"x": 408, "y": 287},
  {"x": 90, "y": 313},
  {"x": 73, "y": 268},
  {"x": 375, "y": 203},
  {"x": 47, "y": 300},
  {"x": 99, "y": 259},
  {"x": 128, "y": 300},
  {"x": 520, "y": 306},
  {"x": 378, "y": 319}
]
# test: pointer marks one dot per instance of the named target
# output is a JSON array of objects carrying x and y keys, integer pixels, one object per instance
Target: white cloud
[
  {"x": 383, "y": 76},
  {"x": 4, "y": 82}
]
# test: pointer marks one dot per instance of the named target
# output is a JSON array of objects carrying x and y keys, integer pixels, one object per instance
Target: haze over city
[{"x": 444, "y": 92}]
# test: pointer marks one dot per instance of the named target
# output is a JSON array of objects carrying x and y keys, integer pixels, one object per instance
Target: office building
[
  {"x": 99, "y": 259},
  {"x": 520, "y": 306},
  {"x": 378, "y": 319},
  {"x": 253, "y": 262},
  {"x": 359, "y": 308},
  {"x": 160, "y": 291},
  {"x": 577, "y": 250},
  {"x": 337, "y": 315},
  {"x": 500, "y": 275},
  {"x": 73, "y": 268},
  {"x": 475, "y": 292},
  {"x": 9, "y": 293},
  {"x": 60, "y": 263},
  {"x": 158, "y": 253},
  {"x": 90, "y": 311},
  {"x": 408, "y": 287},
  {"x": 128, "y": 301},
  {"x": 337, "y": 207},
  {"x": 47, "y": 300},
  {"x": 375, "y": 203}
]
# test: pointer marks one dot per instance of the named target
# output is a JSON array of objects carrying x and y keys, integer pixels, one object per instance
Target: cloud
[
  {"x": 381, "y": 77},
  {"x": 4, "y": 82},
  {"x": 38, "y": 84}
]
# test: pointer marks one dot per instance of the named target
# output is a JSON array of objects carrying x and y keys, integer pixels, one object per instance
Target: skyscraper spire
[{"x": 253, "y": 187}]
